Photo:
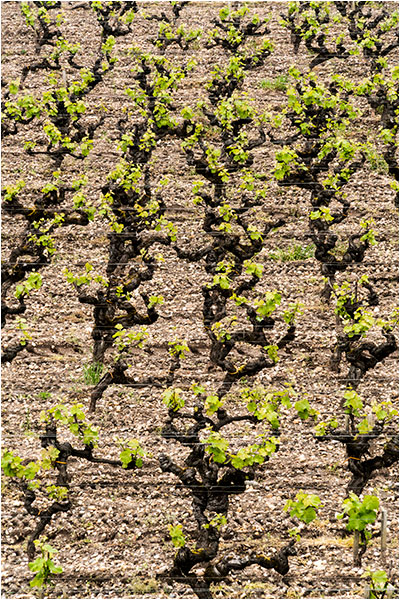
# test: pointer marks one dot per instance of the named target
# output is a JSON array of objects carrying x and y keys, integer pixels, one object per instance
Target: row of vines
[{"x": 198, "y": 299}]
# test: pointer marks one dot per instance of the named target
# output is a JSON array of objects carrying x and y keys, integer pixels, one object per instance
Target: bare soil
[{"x": 115, "y": 540}]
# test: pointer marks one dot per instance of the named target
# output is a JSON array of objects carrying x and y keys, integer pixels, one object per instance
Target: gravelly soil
[{"x": 115, "y": 540}]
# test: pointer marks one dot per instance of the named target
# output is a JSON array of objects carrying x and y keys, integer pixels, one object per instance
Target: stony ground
[{"x": 115, "y": 540}]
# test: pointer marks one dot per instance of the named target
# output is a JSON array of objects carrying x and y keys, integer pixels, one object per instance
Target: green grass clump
[
  {"x": 295, "y": 252},
  {"x": 279, "y": 84},
  {"x": 92, "y": 373}
]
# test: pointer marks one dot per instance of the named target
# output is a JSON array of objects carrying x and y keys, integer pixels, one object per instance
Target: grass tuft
[
  {"x": 92, "y": 373},
  {"x": 296, "y": 252},
  {"x": 279, "y": 84}
]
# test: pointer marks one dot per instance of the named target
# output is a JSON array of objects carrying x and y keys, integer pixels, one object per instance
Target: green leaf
[
  {"x": 38, "y": 580},
  {"x": 309, "y": 515},
  {"x": 172, "y": 398},
  {"x": 237, "y": 462},
  {"x": 364, "y": 426},
  {"x": 303, "y": 507},
  {"x": 379, "y": 577},
  {"x": 312, "y": 500},
  {"x": 13, "y": 86},
  {"x": 371, "y": 502},
  {"x": 37, "y": 564},
  {"x": 272, "y": 352},
  {"x": 197, "y": 389},
  {"x": 177, "y": 537},
  {"x": 212, "y": 404},
  {"x": 125, "y": 457},
  {"x": 224, "y": 13},
  {"x": 216, "y": 446},
  {"x": 356, "y": 524},
  {"x": 303, "y": 408},
  {"x": 55, "y": 569}
]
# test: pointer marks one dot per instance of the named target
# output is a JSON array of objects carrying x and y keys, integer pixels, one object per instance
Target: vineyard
[{"x": 199, "y": 287}]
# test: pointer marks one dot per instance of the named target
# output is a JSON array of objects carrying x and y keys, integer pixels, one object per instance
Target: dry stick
[
  {"x": 347, "y": 423},
  {"x": 356, "y": 547},
  {"x": 383, "y": 535}
]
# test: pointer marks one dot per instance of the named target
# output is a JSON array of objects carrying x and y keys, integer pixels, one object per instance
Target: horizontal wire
[
  {"x": 140, "y": 488},
  {"x": 268, "y": 261},
  {"x": 240, "y": 536},
  {"x": 264, "y": 212},
  {"x": 260, "y": 491},
  {"x": 36, "y": 189},
  {"x": 299, "y": 435},
  {"x": 181, "y": 380},
  {"x": 75, "y": 210},
  {"x": 164, "y": 344},
  {"x": 384, "y": 186},
  {"x": 115, "y": 151},
  {"x": 198, "y": 215},
  {"x": 111, "y": 98},
  {"x": 199, "y": 212},
  {"x": 184, "y": 239},
  {"x": 134, "y": 405},
  {"x": 56, "y": 154},
  {"x": 330, "y": 437},
  {"x": 232, "y": 575},
  {"x": 204, "y": 341},
  {"x": 282, "y": 445},
  {"x": 304, "y": 236},
  {"x": 98, "y": 140},
  {"x": 139, "y": 385},
  {"x": 149, "y": 464}
]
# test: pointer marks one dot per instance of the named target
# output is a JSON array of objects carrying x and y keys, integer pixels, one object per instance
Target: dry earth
[{"x": 115, "y": 540}]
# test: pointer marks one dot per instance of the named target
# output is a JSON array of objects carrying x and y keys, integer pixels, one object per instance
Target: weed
[
  {"x": 258, "y": 588},
  {"x": 295, "y": 252},
  {"x": 326, "y": 541},
  {"x": 86, "y": 541},
  {"x": 144, "y": 587},
  {"x": 279, "y": 84},
  {"x": 333, "y": 468},
  {"x": 377, "y": 163},
  {"x": 27, "y": 423},
  {"x": 314, "y": 281},
  {"x": 224, "y": 590},
  {"x": 92, "y": 373},
  {"x": 340, "y": 250}
]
